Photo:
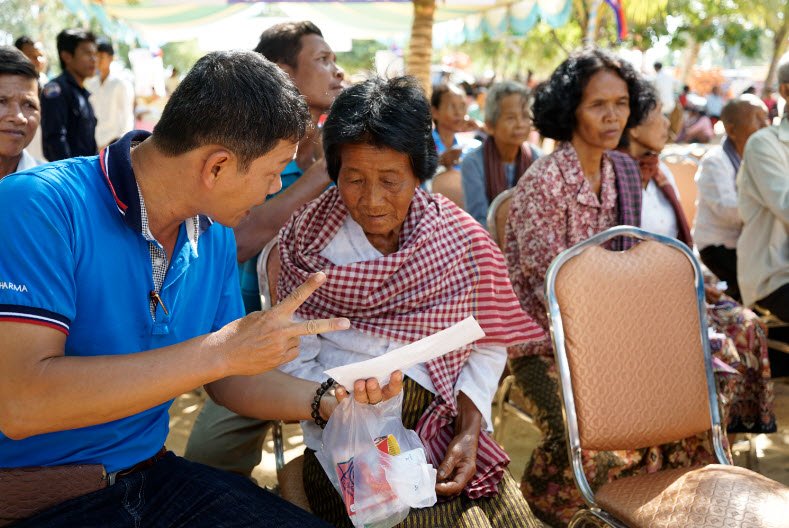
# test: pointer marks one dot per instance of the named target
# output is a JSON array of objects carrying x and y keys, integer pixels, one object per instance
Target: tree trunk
[
  {"x": 692, "y": 54},
  {"x": 420, "y": 48},
  {"x": 779, "y": 45}
]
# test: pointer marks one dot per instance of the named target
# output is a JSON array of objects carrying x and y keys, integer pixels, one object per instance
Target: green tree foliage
[
  {"x": 360, "y": 58},
  {"x": 182, "y": 55}
]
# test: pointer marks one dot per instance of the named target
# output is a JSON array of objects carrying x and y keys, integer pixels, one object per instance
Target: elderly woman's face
[
  {"x": 602, "y": 112},
  {"x": 377, "y": 186},
  {"x": 451, "y": 113},
  {"x": 514, "y": 124},
  {"x": 653, "y": 131},
  {"x": 19, "y": 113}
]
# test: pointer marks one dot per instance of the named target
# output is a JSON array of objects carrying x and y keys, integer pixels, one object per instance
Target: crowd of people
[{"x": 277, "y": 223}]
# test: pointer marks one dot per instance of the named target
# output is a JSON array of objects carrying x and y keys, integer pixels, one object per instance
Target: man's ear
[
  {"x": 216, "y": 166},
  {"x": 66, "y": 57}
]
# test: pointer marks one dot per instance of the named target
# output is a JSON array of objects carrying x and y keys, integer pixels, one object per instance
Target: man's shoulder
[
  {"x": 64, "y": 176},
  {"x": 55, "y": 88}
]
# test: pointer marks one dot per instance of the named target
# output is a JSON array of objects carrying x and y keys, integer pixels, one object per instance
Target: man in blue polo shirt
[
  {"x": 119, "y": 291},
  {"x": 221, "y": 438}
]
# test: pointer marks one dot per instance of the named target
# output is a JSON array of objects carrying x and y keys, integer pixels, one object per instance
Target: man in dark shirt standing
[{"x": 67, "y": 120}]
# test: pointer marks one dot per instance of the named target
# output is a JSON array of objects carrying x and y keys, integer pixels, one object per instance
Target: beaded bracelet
[{"x": 316, "y": 402}]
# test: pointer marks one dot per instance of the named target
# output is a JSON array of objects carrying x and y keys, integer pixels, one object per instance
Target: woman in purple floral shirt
[{"x": 581, "y": 189}]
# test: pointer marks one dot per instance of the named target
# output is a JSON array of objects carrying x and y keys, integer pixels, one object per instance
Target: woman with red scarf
[{"x": 401, "y": 265}]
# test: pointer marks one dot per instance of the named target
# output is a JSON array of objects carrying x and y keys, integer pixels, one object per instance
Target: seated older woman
[
  {"x": 20, "y": 110},
  {"x": 402, "y": 265},
  {"x": 579, "y": 190},
  {"x": 505, "y": 155}
]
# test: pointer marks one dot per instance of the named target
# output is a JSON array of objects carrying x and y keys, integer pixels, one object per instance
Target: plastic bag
[{"x": 360, "y": 450}]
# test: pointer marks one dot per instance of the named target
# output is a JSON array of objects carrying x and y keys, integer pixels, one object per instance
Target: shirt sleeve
[
  {"x": 763, "y": 161},
  {"x": 475, "y": 199},
  {"x": 37, "y": 263},
  {"x": 231, "y": 307},
  {"x": 54, "y": 122},
  {"x": 717, "y": 190},
  {"x": 479, "y": 379}
]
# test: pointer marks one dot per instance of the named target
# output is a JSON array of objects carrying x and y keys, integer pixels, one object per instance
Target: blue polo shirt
[{"x": 75, "y": 259}]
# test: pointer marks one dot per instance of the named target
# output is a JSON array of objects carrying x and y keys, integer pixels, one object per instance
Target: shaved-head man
[{"x": 718, "y": 224}]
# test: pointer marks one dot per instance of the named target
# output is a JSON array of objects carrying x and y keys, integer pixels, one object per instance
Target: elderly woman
[
  {"x": 747, "y": 398},
  {"x": 20, "y": 110},
  {"x": 581, "y": 189},
  {"x": 505, "y": 155},
  {"x": 402, "y": 265}
]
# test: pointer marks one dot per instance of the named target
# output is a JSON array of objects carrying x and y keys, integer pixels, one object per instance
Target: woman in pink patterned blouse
[{"x": 579, "y": 190}]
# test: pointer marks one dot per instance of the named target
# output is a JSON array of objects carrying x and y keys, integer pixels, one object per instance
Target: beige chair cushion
[
  {"x": 633, "y": 341},
  {"x": 714, "y": 495},
  {"x": 291, "y": 484},
  {"x": 449, "y": 184},
  {"x": 684, "y": 171},
  {"x": 502, "y": 212}
]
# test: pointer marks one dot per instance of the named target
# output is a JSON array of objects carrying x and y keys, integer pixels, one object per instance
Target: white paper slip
[{"x": 465, "y": 332}]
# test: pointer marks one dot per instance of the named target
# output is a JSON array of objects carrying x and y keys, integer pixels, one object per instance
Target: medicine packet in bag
[{"x": 378, "y": 467}]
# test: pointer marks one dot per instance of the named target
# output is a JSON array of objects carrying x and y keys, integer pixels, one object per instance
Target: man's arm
[
  {"x": 42, "y": 390},
  {"x": 765, "y": 163},
  {"x": 265, "y": 220}
]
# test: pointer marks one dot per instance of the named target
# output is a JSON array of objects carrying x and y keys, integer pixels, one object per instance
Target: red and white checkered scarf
[{"x": 446, "y": 269}]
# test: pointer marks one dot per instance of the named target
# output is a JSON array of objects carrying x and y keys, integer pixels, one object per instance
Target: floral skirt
[
  {"x": 747, "y": 396},
  {"x": 548, "y": 483}
]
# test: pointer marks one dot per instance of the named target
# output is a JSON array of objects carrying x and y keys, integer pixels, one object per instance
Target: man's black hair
[
  {"x": 69, "y": 39},
  {"x": 14, "y": 62},
  {"x": 236, "y": 99},
  {"x": 282, "y": 42},
  {"x": 385, "y": 113}
]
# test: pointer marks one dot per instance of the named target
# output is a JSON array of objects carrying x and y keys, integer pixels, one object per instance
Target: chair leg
[
  {"x": 279, "y": 450},
  {"x": 502, "y": 395},
  {"x": 753, "y": 456}
]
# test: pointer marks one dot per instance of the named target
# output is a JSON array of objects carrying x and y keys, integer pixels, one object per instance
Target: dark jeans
[
  {"x": 722, "y": 261},
  {"x": 177, "y": 492}
]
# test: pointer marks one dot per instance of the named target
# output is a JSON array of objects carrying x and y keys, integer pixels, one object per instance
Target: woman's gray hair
[
  {"x": 782, "y": 70},
  {"x": 498, "y": 92}
]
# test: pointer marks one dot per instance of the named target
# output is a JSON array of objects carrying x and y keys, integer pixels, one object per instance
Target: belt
[{"x": 148, "y": 462}]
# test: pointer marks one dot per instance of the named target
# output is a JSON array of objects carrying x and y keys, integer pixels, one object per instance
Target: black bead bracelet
[{"x": 316, "y": 402}]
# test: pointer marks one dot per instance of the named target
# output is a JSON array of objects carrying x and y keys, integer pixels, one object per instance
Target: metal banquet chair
[{"x": 630, "y": 338}]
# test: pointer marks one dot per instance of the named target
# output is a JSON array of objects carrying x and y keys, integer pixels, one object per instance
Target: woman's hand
[
  {"x": 460, "y": 460},
  {"x": 364, "y": 392}
]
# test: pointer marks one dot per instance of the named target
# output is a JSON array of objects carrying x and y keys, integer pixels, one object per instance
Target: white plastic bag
[{"x": 378, "y": 488}]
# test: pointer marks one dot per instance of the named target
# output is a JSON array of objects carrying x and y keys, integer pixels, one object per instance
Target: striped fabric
[
  {"x": 628, "y": 195},
  {"x": 446, "y": 269},
  {"x": 506, "y": 509}
]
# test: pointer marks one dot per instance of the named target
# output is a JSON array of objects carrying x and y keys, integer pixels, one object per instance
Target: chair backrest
[
  {"x": 630, "y": 338},
  {"x": 684, "y": 168},
  {"x": 449, "y": 184},
  {"x": 497, "y": 216}
]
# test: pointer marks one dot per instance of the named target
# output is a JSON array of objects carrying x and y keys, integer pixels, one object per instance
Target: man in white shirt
[
  {"x": 664, "y": 84},
  {"x": 763, "y": 203},
  {"x": 717, "y": 225},
  {"x": 112, "y": 98}
]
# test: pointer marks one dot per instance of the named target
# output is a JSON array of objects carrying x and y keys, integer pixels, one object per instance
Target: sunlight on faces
[
  {"x": 377, "y": 186},
  {"x": 451, "y": 113},
  {"x": 514, "y": 124},
  {"x": 317, "y": 75},
  {"x": 20, "y": 113},
  {"x": 603, "y": 111},
  {"x": 234, "y": 193},
  {"x": 652, "y": 133}
]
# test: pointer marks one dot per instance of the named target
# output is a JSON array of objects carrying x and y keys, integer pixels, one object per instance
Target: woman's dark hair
[
  {"x": 69, "y": 40},
  {"x": 650, "y": 100},
  {"x": 386, "y": 113},
  {"x": 438, "y": 94},
  {"x": 556, "y": 99},
  {"x": 14, "y": 62},
  {"x": 237, "y": 99}
]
